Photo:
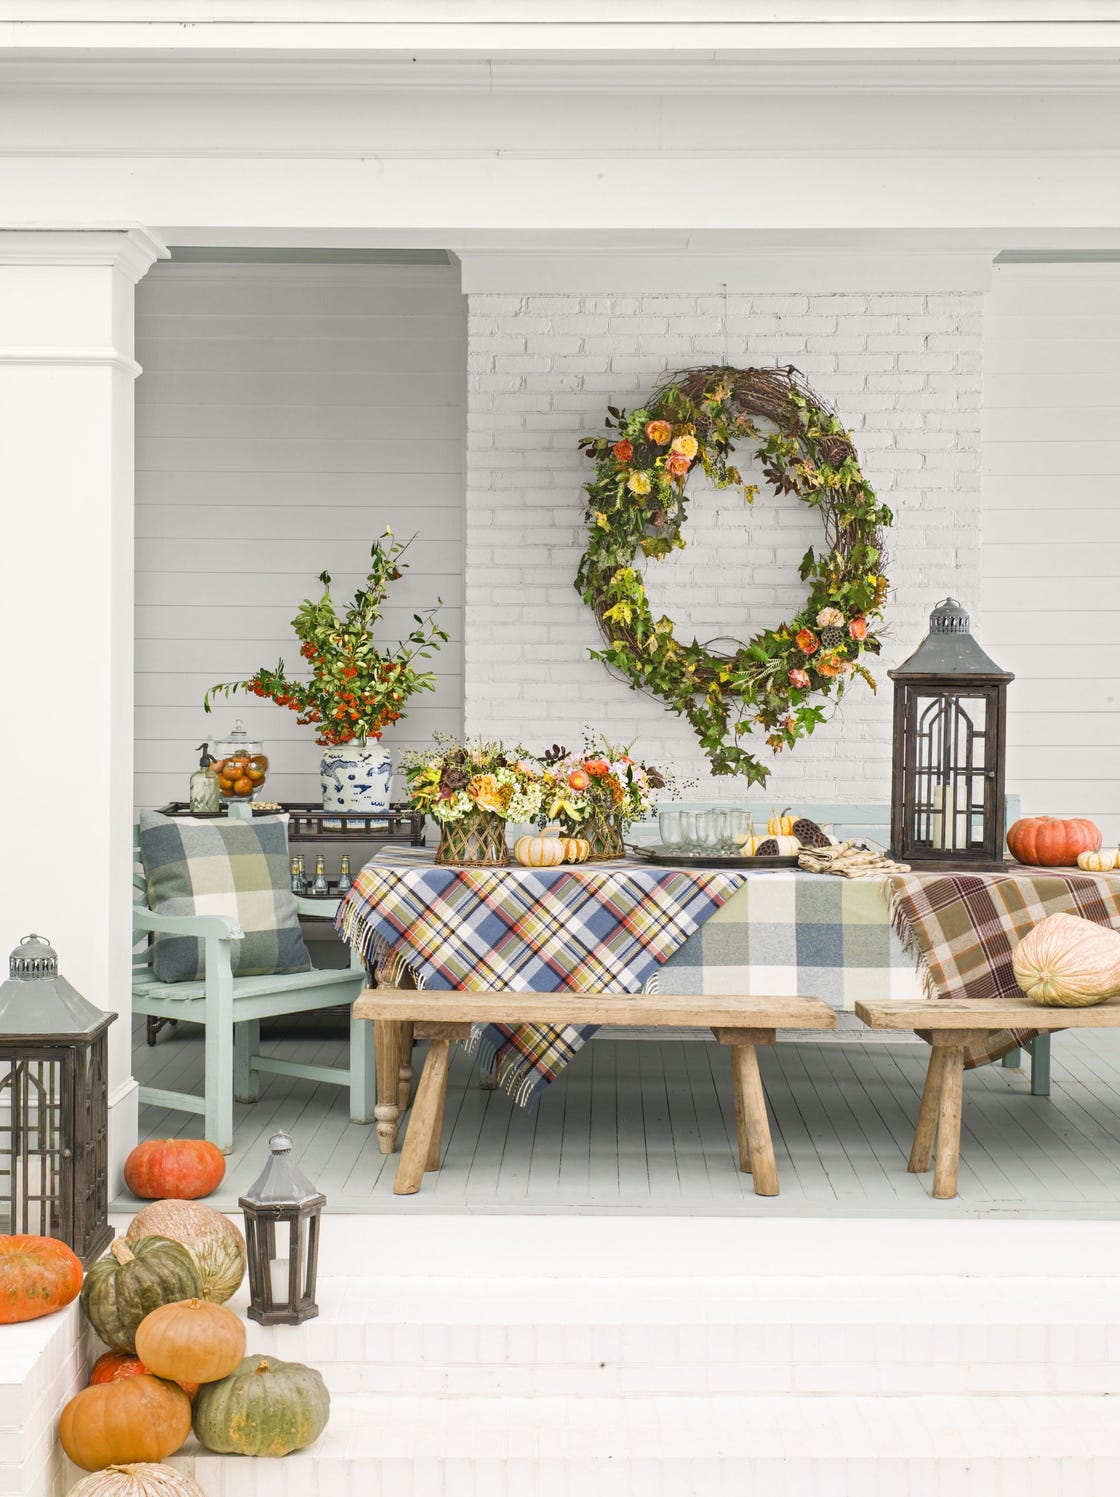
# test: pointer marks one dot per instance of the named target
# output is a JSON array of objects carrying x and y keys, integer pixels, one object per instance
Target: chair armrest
[{"x": 209, "y": 927}]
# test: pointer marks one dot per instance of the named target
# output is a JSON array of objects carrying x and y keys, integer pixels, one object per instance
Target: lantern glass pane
[
  {"x": 949, "y": 772},
  {"x": 31, "y": 1142}
]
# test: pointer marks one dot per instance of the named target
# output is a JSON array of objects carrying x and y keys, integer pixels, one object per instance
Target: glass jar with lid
[{"x": 239, "y": 763}]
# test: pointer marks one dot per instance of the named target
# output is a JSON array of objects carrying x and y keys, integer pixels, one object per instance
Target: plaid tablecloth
[
  {"x": 580, "y": 929},
  {"x": 626, "y": 926}
]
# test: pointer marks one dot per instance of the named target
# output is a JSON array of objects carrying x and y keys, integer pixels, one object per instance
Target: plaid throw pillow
[{"x": 234, "y": 868}]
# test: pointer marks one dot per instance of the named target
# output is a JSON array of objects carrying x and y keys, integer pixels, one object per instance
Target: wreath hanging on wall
[{"x": 636, "y": 508}]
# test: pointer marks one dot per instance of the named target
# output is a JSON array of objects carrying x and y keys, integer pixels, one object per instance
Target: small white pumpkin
[
  {"x": 142, "y": 1479},
  {"x": 1098, "y": 862},
  {"x": 1068, "y": 962},
  {"x": 539, "y": 852}
]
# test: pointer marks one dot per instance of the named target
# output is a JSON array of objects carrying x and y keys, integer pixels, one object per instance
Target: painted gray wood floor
[{"x": 649, "y": 1126}]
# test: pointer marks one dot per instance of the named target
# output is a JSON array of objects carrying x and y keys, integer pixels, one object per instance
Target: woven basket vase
[
  {"x": 475, "y": 841},
  {"x": 604, "y": 832}
]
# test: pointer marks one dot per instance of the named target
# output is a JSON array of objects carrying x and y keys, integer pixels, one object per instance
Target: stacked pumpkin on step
[{"x": 157, "y": 1300}]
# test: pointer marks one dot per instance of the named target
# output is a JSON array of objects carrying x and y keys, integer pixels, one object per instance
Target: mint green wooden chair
[{"x": 231, "y": 1009}]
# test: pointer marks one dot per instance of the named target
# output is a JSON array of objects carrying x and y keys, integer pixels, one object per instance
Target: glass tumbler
[{"x": 669, "y": 825}]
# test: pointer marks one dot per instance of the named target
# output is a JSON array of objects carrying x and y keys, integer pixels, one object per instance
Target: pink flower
[
  {"x": 799, "y": 678},
  {"x": 830, "y": 618},
  {"x": 678, "y": 465}
]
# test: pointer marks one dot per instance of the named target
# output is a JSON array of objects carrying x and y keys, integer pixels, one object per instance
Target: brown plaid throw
[{"x": 963, "y": 927}]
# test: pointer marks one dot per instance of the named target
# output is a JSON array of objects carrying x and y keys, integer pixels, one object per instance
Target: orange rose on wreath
[
  {"x": 623, "y": 450},
  {"x": 678, "y": 465},
  {"x": 858, "y": 628},
  {"x": 806, "y": 641},
  {"x": 829, "y": 667},
  {"x": 659, "y": 432}
]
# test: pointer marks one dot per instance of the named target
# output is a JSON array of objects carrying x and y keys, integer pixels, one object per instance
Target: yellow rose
[
  {"x": 638, "y": 483},
  {"x": 687, "y": 446},
  {"x": 487, "y": 794}
]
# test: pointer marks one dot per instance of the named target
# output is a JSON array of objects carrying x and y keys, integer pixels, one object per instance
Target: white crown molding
[
  {"x": 133, "y": 251},
  {"x": 96, "y": 358},
  {"x": 590, "y": 272}
]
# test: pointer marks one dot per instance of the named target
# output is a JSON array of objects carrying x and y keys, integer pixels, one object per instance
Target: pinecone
[
  {"x": 809, "y": 834},
  {"x": 831, "y": 638}
]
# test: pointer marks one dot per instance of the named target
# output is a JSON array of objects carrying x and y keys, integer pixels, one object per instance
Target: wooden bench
[
  {"x": 952, "y": 1027},
  {"x": 443, "y": 1017}
]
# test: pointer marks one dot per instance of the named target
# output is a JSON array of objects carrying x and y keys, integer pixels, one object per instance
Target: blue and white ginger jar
[{"x": 356, "y": 778}]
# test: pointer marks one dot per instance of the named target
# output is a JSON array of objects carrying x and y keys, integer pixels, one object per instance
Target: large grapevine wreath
[{"x": 636, "y": 508}]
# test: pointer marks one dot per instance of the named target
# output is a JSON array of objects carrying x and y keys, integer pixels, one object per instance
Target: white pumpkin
[
  {"x": 539, "y": 852},
  {"x": 1098, "y": 862},
  {"x": 142, "y": 1479},
  {"x": 1068, "y": 962}
]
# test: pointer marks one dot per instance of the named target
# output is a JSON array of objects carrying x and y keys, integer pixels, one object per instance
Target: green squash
[
  {"x": 264, "y": 1407},
  {"x": 132, "y": 1280}
]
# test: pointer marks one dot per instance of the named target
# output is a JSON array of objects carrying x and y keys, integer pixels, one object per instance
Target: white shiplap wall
[
  {"x": 286, "y": 414},
  {"x": 1051, "y": 552}
]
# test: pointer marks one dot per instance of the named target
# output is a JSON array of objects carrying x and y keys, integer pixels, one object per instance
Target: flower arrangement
[
  {"x": 356, "y": 690},
  {"x": 636, "y": 508},
  {"x": 455, "y": 780},
  {"x": 596, "y": 792}
]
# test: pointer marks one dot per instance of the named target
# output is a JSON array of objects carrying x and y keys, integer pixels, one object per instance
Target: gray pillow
[{"x": 235, "y": 868}]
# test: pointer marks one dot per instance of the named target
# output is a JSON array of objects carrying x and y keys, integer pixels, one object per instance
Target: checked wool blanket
[
  {"x": 577, "y": 929},
  {"x": 963, "y": 927}
]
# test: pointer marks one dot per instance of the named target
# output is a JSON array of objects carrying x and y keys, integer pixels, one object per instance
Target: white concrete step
[{"x": 681, "y": 1447}]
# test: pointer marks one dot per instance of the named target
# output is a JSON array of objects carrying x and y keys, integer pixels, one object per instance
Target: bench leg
[
  {"x": 363, "y": 1072},
  {"x": 760, "y": 1145},
  {"x": 427, "y": 1114},
  {"x": 246, "y": 1044},
  {"x": 921, "y": 1155},
  {"x": 387, "y": 1112},
  {"x": 949, "y": 1124}
]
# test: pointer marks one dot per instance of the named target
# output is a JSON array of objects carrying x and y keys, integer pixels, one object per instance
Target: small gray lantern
[
  {"x": 282, "y": 1274},
  {"x": 54, "y": 1105},
  {"x": 950, "y": 749}
]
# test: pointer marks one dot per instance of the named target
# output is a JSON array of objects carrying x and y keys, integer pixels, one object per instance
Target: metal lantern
[
  {"x": 282, "y": 1266},
  {"x": 54, "y": 1105},
  {"x": 950, "y": 751}
]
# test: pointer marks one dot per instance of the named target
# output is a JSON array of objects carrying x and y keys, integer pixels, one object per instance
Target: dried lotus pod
[
  {"x": 767, "y": 849},
  {"x": 809, "y": 833}
]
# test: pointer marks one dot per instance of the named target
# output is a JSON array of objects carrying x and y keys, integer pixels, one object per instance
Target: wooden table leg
[
  {"x": 427, "y": 1114},
  {"x": 760, "y": 1145},
  {"x": 387, "y": 1112},
  {"x": 925, "y": 1132},
  {"x": 404, "y": 1084}
]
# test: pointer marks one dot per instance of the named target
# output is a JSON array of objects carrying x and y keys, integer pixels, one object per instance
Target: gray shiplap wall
[
  {"x": 1051, "y": 550},
  {"x": 286, "y": 414}
]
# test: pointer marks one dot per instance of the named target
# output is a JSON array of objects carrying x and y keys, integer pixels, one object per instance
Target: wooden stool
[{"x": 740, "y": 1023}]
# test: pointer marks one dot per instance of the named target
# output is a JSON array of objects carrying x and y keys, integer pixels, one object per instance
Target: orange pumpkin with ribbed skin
[
  {"x": 177, "y": 1169},
  {"x": 112, "y": 1366},
  {"x": 139, "y": 1418},
  {"x": 38, "y": 1275},
  {"x": 191, "y": 1339},
  {"x": 1051, "y": 842}
]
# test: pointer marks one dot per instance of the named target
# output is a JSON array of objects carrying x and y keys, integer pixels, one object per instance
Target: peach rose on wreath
[
  {"x": 799, "y": 678},
  {"x": 623, "y": 450},
  {"x": 829, "y": 667},
  {"x": 830, "y": 618},
  {"x": 678, "y": 465},
  {"x": 858, "y": 628},
  {"x": 639, "y": 483},
  {"x": 806, "y": 641},
  {"x": 659, "y": 432},
  {"x": 686, "y": 446}
]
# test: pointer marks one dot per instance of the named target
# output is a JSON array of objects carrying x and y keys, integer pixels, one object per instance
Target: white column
[{"x": 66, "y": 560}]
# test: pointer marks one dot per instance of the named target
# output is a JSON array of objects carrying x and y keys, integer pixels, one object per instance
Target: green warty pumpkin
[
  {"x": 132, "y": 1280},
  {"x": 264, "y": 1407}
]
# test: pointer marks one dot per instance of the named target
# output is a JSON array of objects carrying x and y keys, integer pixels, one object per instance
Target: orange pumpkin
[
  {"x": 1051, "y": 842},
  {"x": 576, "y": 849},
  {"x": 38, "y": 1275},
  {"x": 179, "y": 1169},
  {"x": 191, "y": 1340},
  {"x": 140, "y": 1418},
  {"x": 112, "y": 1366}
]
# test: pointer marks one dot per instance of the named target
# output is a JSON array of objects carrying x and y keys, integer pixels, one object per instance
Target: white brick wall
[{"x": 904, "y": 372}]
